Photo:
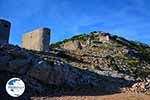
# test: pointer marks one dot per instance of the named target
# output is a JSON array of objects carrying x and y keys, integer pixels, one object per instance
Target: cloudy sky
[{"x": 127, "y": 18}]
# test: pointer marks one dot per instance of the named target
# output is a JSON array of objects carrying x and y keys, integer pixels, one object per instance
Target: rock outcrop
[{"x": 40, "y": 71}]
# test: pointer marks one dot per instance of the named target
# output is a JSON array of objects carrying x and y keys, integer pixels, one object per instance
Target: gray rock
[
  {"x": 4, "y": 62},
  {"x": 57, "y": 74},
  {"x": 40, "y": 71},
  {"x": 19, "y": 65}
]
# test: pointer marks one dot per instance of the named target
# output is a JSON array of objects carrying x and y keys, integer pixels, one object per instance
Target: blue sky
[{"x": 126, "y": 18}]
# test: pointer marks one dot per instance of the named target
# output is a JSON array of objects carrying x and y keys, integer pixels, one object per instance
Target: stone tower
[
  {"x": 37, "y": 40},
  {"x": 4, "y": 31},
  {"x": 104, "y": 37}
]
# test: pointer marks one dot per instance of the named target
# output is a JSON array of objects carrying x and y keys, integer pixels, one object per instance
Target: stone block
[{"x": 37, "y": 40}]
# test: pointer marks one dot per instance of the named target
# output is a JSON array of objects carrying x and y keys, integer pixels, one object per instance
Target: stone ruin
[
  {"x": 37, "y": 40},
  {"x": 72, "y": 45},
  {"x": 4, "y": 31},
  {"x": 104, "y": 37},
  {"x": 76, "y": 44}
]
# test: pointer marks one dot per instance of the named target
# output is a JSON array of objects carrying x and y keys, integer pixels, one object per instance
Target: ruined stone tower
[
  {"x": 104, "y": 37},
  {"x": 4, "y": 31},
  {"x": 37, "y": 40},
  {"x": 72, "y": 45}
]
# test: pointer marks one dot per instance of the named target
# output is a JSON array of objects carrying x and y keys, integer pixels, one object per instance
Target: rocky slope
[
  {"x": 107, "y": 55},
  {"x": 97, "y": 64}
]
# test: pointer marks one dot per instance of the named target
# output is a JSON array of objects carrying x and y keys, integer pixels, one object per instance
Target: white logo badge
[{"x": 15, "y": 87}]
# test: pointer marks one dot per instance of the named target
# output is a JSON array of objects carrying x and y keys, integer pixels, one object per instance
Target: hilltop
[{"x": 101, "y": 51}]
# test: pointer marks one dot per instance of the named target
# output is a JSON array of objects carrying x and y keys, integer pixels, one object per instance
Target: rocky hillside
[
  {"x": 107, "y": 54},
  {"x": 89, "y": 64}
]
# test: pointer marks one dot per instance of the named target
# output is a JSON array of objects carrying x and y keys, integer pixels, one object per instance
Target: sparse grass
[
  {"x": 97, "y": 42},
  {"x": 57, "y": 44},
  {"x": 82, "y": 37},
  {"x": 132, "y": 61}
]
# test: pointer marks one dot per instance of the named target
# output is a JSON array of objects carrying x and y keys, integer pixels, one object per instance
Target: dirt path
[{"x": 121, "y": 96}]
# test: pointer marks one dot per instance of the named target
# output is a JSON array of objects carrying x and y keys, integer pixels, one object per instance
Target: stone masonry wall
[
  {"x": 104, "y": 37},
  {"x": 72, "y": 45},
  {"x": 37, "y": 40},
  {"x": 4, "y": 31}
]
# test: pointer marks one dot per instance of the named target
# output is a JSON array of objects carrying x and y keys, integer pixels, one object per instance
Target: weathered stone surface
[
  {"x": 104, "y": 37},
  {"x": 37, "y": 40},
  {"x": 4, "y": 31},
  {"x": 40, "y": 71},
  {"x": 140, "y": 87},
  {"x": 18, "y": 65},
  {"x": 4, "y": 62},
  {"x": 72, "y": 45}
]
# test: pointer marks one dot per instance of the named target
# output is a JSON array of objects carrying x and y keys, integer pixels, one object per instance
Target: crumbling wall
[
  {"x": 4, "y": 31},
  {"x": 37, "y": 40},
  {"x": 72, "y": 45},
  {"x": 104, "y": 37}
]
